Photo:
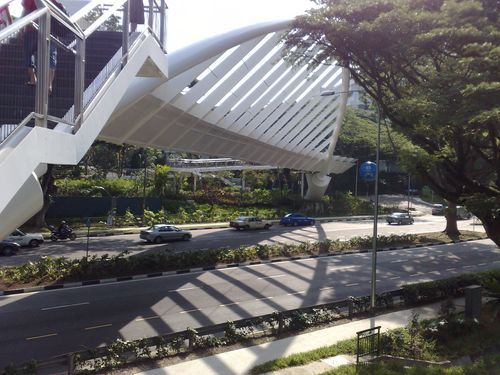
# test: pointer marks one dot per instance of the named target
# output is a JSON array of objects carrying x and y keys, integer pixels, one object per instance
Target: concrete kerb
[{"x": 209, "y": 268}]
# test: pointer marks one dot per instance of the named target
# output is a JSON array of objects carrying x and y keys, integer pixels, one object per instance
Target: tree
[{"x": 433, "y": 67}]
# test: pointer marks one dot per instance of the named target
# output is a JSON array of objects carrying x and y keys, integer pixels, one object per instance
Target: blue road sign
[{"x": 367, "y": 171}]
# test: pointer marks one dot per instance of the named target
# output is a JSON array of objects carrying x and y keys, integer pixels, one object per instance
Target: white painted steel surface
[{"x": 234, "y": 96}]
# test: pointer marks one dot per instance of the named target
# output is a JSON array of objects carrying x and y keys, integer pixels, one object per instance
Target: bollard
[
  {"x": 71, "y": 364},
  {"x": 473, "y": 302},
  {"x": 350, "y": 307},
  {"x": 281, "y": 322}
]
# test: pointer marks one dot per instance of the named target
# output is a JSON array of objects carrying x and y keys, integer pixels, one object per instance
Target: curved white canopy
[{"x": 234, "y": 96}]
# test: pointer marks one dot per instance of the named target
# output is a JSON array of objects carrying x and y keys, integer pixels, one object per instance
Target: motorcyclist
[{"x": 64, "y": 228}]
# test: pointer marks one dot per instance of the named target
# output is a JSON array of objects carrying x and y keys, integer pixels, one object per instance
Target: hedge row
[{"x": 62, "y": 269}]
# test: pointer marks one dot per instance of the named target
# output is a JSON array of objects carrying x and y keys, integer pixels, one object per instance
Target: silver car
[
  {"x": 164, "y": 232},
  {"x": 25, "y": 239}
]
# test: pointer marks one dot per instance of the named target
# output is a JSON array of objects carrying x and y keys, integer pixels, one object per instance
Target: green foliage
[
  {"x": 161, "y": 180},
  {"x": 96, "y": 187},
  {"x": 433, "y": 68}
]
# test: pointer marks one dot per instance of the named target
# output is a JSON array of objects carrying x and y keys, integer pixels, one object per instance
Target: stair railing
[{"x": 94, "y": 16}]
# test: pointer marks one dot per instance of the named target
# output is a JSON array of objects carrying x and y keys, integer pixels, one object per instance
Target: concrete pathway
[{"x": 241, "y": 361}]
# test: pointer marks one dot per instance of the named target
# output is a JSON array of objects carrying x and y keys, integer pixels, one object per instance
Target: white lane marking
[
  {"x": 188, "y": 311},
  {"x": 291, "y": 294},
  {"x": 229, "y": 304},
  {"x": 434, "y": 273},
  {"x": 187, "y": 288},
  {"x": 64, "y": 306},
  {"x": 416, "y": 274},
  {"x": 451, "y": 269},
  {"x": 270, "y": 277},
  {"x": 99, "y": 326},
  {"x": 395, "y": 277},
  {"x": 326, "y": 288},
  {"x": 398, "y": 261},
  {"x": 482, "y": 264},
  {"x": 41, "y": 337},
  {"x": 147, "y": 318},
  {"x": 337, "y": 268},
  {"x": 353, "y": 284},
  {"x": 260, "y": 299},
  {"x": 467, "y": 266}
]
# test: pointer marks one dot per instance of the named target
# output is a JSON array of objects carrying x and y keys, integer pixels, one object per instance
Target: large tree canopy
[{"x": 433, "y": 66}]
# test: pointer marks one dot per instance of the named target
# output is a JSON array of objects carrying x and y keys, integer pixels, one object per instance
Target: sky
[{"x": 193, "y": 20}]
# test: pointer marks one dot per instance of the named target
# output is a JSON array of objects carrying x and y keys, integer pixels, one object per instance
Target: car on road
[
  {"x": 296, "y": 219},
  {"x": 399, "y": 218},
  {"x": 250, "y": 222},
  {"x": 164, "y": 232},
  {"x": 462, "y": 213},
  {"x": 25, "y": 239},
  {"x": 9, "y": 248},
  {"x": 438, "y": 209}
]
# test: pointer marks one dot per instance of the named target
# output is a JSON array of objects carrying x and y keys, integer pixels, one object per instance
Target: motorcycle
[{"x": 55, "y": 234}]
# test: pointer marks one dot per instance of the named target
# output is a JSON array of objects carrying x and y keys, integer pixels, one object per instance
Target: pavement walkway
[{"x": 241, "y": 361}]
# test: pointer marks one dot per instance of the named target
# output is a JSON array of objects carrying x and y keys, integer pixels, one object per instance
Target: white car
[
  {"x": 25, "y": 239},
  {"x": 250, "y": 222}
]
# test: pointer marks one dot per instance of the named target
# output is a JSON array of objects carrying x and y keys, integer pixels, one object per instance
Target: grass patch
[
  {"x": 488, "y": 365},
  {"x": 299, "y": 359}
]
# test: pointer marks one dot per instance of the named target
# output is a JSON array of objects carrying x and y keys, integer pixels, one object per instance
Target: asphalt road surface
[
  {"x": 214, "y": 238},
  {"x": 43, "y": 324}
]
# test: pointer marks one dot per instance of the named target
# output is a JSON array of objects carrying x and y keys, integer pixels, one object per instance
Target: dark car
[
  {"x": 9, "y": 248},
  {"x": 296, "y": 219},
  {"x": 399, "y": 218}
]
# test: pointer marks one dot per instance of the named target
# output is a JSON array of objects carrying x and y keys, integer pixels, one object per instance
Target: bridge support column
[{"x": 316, "y": 186}]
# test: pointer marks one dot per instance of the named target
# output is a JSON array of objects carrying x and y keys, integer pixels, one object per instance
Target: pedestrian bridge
[{"x": 229, "y": 96}]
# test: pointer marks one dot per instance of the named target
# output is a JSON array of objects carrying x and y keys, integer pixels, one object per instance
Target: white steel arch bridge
[{"x": 232, "y": 95}]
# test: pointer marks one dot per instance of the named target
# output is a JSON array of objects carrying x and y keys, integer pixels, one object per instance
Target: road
[
  {"x": 43, "y": 324},
  {"x": 214, "y": 238}
]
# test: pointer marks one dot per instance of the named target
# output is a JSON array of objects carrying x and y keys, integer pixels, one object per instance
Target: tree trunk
[
  {"x": 38, "y": 220},
  {"x": 491, "y": 225},
  {"x": 451, "y": 221}
]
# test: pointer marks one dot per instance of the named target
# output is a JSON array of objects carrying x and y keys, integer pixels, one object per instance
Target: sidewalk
[{"x": 241, "y": 361}]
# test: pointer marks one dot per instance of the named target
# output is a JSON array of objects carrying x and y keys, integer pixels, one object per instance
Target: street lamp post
[
  {"x": 356, "y": 179},
  {"x": 375, "y": 214},
  {"x": 143, "y": 157}
]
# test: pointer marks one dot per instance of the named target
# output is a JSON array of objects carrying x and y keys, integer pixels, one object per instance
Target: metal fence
[{"x": 368, "y": 343}]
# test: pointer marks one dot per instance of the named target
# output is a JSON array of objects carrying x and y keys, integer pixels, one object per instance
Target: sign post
[{"x": 88, "y": 221}]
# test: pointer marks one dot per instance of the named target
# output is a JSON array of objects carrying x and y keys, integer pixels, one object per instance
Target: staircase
[
  {"x": 17, "y": 99},
  {"x": 26, "y": 152}
]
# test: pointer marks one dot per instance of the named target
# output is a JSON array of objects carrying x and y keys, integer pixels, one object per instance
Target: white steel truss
[{"x": 235, "y": 96}]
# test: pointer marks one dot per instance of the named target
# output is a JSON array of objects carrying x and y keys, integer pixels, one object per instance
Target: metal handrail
[
  {"x": 22, "y": 22},
  {"x": 76, "y": 47}
]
